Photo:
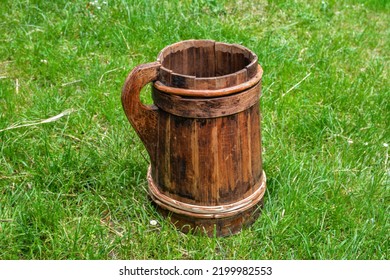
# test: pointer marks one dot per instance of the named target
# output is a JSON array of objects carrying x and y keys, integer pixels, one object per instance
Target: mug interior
[{"x": 201, "y": 64}]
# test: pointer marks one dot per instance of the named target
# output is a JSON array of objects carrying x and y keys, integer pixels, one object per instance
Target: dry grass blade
[
  {"x": 71, "y": 83},
  {"x": 297, "y": 84},
  {"x": 107, "y": 72},
  {"x": 49, "y": 120}
]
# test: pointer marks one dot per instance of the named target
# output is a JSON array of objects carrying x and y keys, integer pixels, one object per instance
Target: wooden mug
[{"x": 202, "y": 134}]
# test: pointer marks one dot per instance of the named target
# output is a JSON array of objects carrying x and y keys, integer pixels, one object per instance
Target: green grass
[{"x": 75, "y": 188}]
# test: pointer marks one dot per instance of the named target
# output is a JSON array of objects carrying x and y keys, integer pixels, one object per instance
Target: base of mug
[{"x": 220, "y": 220}]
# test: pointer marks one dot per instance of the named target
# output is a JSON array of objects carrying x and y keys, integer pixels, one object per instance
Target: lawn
[{"x": 73, "y": 172}]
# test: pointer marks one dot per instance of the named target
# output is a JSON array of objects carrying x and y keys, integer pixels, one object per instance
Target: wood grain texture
[
  {"x": 202, "y": 134},
  {"x": 210, "y": 161},
  {"x": 143, "y": 118},
  {"x": 225, "y": 86},
  {"x": 206, "y": 107},
  {"x": 206, "y": 65}
]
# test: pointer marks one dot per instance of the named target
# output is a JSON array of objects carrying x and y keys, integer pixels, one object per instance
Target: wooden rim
[
  {"x": 206, "y": 68},
  {"x": 183, "y": 106},
  {"x": 213, "y": 92},
  {"x": 200, "y": 211}
]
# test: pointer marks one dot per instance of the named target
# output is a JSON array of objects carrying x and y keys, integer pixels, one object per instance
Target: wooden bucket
[{"x": 202, "y": 134}]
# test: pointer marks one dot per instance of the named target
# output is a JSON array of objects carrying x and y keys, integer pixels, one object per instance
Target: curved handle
[{"x": 142, "y": 117}]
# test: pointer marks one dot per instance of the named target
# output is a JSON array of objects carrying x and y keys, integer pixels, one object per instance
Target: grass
[{"x": 75, "y": 188}]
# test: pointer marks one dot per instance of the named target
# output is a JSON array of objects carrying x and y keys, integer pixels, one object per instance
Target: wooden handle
[{"x": 142, "y": 117}]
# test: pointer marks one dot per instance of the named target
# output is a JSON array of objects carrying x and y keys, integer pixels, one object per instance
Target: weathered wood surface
[
  {"x": 205, "y": 65},
  {"x": 208, "y": 161},
  {"x": 202, "y": 134},
  {"x": 210, "y": 226},
  {"x": 210, "y": 92},
  {"x": 206, "y": 107},
  {"x": 143, "y": 118}
]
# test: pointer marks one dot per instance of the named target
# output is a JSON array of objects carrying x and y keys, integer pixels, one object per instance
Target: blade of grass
[{"x": 48, "y": 120}]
